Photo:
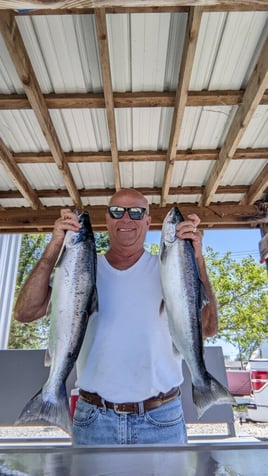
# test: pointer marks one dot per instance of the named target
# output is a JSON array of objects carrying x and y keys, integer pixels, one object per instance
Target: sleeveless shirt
[{"x": 127, "y": 353}]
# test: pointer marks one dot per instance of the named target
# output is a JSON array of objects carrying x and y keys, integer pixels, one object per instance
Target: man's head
[{"x": 128, "y": 228}]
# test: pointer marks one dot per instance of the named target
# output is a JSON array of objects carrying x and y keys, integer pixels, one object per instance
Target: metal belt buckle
[{"x": 116, "y": 408}]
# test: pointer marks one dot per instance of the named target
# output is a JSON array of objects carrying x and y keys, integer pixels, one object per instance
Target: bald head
[{"x": 131, "y": 196}]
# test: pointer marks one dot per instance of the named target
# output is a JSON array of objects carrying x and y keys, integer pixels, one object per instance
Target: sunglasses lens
[
  {"x": 116, "y": 212},
  {"x": 135, "y": 213}
]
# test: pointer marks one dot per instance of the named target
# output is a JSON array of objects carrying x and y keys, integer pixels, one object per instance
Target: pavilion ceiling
[{"x": 169, "y": 97}]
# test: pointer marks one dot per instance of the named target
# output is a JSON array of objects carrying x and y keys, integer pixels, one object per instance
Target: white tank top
[{"x": 127, "y": 353}]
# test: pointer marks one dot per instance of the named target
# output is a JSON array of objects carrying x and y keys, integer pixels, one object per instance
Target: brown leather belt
[{"x": 154, "y": 402}]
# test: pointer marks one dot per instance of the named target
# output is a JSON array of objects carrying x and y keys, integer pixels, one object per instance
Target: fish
[
  {"x": 73, "y": 299},
  {"x": 184, "y": 297}
]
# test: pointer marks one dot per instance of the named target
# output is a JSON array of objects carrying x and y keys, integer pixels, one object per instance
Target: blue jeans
[{"x": 101, "y": 426}]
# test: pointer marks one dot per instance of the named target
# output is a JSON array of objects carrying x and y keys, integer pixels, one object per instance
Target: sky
[{"x": 239, "y": 242}]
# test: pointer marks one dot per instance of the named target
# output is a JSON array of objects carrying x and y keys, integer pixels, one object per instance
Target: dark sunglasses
[{"x": 135, "y": 213}]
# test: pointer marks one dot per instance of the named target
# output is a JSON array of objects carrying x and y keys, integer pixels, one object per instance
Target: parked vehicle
[{"x": 258, "y": 406}]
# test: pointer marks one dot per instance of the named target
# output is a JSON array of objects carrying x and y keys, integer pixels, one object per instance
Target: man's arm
[{"x": 34, "y": 295}]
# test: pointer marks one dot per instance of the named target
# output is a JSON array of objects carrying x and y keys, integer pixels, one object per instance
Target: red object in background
[
  {"x": 73, "y": 399},
  {"x": 259, "y": 379},
  {"x": 239, "y": 382}
]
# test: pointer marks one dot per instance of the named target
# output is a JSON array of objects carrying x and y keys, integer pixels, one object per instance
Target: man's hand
[
  {"x": 67, "y": 221},
  {"x": 188, "y": 229}
]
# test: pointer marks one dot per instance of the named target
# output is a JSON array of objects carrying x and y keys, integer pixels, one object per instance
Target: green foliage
[
  {"x": 102, "y": 241},
  {"x": 241, "y": 292},
  {"x": 31, "y": 335}
]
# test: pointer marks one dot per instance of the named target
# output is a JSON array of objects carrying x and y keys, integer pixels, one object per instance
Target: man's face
[{"x": 125, "y": 232}]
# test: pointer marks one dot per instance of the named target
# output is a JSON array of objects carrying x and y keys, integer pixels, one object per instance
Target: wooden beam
[
  {"x": 253, "y": 94},
  {"x": 12, "y": 169},
  {"x": 20, "y": 58},
  {"x": 78, "y": 4},
  {"x": 257, "y": 188},
  {"x": 138, "y": 156},
  {"x": 97, "y": 192},
  {"x": 128, "y": 99},
  {"x": 191, "y": 36},
  {"x": 102, "y": 36},
  {"x": 217, "y": 216}
]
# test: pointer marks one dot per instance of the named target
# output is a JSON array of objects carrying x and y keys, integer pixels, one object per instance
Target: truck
[{"x": 249, "y": 386}]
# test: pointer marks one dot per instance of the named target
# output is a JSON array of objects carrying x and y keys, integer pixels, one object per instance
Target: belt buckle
[{"x": 116, "y": 408}]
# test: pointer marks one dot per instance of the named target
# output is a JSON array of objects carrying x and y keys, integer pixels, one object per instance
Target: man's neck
[{"x": 123, "y": 260}]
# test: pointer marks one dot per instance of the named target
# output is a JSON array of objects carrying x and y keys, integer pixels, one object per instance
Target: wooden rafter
[
  {"x": 108, "y": 90},
  {"x": 243, "y": 214},
  {"x": 156, "y": 191},
  {"x": 20, "y": 58},
  {"x": 138, "y": 156},
  {"x": 80, "y": 4},
  {"x": 191, "y": 36},
  {"x": 252, "y": 96},
  {"x": 13, "y": 170},
  {"x": 257, "y": 188},
  {"x": 217, "y": 215},
  {"x": 128, "y": 100}
]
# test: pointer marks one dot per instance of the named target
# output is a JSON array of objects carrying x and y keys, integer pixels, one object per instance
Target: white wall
[{"x": 9, "y": 259}]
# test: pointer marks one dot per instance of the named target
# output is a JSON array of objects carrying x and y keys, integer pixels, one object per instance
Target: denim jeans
[{"x": 101, "y": 426}]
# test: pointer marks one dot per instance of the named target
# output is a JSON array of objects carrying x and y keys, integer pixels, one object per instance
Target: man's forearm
[
  {"x": 34, "y": 295},
  {"x": 209, "y": 313}
]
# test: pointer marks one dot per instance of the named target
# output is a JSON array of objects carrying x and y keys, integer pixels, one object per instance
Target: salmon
[
  {"x": 73, "y": 299},
  {"x": 184, "y": 297}
]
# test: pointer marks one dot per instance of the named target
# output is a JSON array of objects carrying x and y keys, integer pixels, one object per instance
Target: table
[{"x": 247, "y": 459}]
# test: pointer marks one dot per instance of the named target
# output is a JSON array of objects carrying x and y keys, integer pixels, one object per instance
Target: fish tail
[
  {"x": 211, "y": 393},
  {"x": 55, "y": 412}
]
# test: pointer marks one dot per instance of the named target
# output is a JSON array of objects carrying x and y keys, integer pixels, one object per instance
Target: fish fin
[
  {"x": 93, "y": 302},
  {"x": 162, "y": 307},
  {"x": 49, "y": 308},
  {"x": 163, "y": 253},
  {"x": 55, "y": 412},
  {"x": 175, "y": 350},
  {"x": 211, "y": 393},
  {"x": 203, "y": 297},
  {"x": 47, "y": 358},
  {"x": 61, "y": 254}
]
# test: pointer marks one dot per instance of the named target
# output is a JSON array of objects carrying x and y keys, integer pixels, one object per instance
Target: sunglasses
[{"x": 135, "y": 213}]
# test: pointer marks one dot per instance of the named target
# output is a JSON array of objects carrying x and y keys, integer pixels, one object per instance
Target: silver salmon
[
  {"x": 73, "y": 300},
  {"x": 184, "y": 296}
]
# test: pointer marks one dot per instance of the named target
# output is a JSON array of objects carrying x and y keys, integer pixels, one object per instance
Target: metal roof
[{"x": 169, "y": 97}]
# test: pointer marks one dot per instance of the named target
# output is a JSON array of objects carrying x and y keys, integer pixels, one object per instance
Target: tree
[
  {"x": 241, "y": 292},
  {"x": 30, "y": 335}
]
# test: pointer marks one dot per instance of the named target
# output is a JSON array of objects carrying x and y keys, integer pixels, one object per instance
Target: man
[{"x": 128, "y": 374}]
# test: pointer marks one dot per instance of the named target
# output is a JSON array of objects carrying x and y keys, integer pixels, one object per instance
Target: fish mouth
[{"x": 173, "y": 217}]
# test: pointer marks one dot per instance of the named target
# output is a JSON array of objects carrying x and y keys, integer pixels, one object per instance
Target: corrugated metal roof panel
[
  {"x": 256, "y": 134},
  {"x": 21, "y": 131},
  {"x": 43, "y": 176},
  {"x": 63, "y": 52},
  {"x": 81, "y": 129},
  {"x": 227, "y": 39},
  {"x": 205, "y": 125},
  {"x": 242, "y": 172},
  {"x": 145, "y": 50},
  {"x": 9, "y": 80}
]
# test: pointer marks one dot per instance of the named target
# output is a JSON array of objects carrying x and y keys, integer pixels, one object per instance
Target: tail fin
[
  {"x": 39, "y": 410},
  {"x": 213, "y": 393}
]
